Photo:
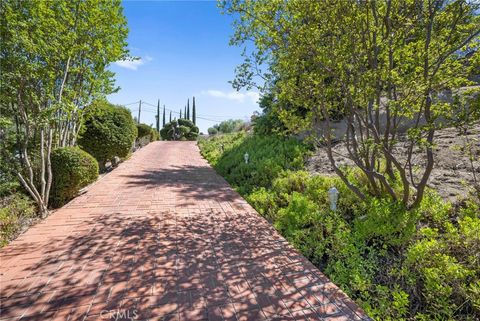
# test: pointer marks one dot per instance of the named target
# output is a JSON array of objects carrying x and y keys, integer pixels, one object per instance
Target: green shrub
[
  {"x": 398, "y": 264},
  {"x": 265, "y": 202},
  {"x": 143, "y": 130},
  {"x": 301, "y": 224},
  {"x": 445, "y": 268},
  {"x": 72, "y": 170},
  {"x": 108, "y": 131},
  {"x": 215, "y": 147},
  {"x": 181, "y": 129},
  {"x": 212, "y": 131},
  {"x": 268, "y": 157},
  {"x": 16, "y": 210},
  {"x": 155, "y": 135}
]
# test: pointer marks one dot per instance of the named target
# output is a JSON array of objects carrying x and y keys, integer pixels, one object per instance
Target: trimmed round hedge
[
  {"x": 181, "y": 129},
  {"x": 72, "y": 170},
  {"x": 108, "y": 131}
]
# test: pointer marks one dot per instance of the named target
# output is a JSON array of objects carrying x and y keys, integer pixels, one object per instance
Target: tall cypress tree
[
  {"x": 163, "y": 124},
  {"x": 170, "y": 116},
  {"x": 185, "y": 112},
  {"x": 188, "y": 108},
  {"x": 180, "y": 114},
  {"x": 158, "y": 115},
  {"x": 194, "y": 112}
]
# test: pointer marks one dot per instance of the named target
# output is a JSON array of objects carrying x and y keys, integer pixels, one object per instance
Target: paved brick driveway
[{"x": 162, "y": 237}]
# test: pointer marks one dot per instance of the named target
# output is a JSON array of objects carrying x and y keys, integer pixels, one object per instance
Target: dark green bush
[
  {"x": 181, "y": 129},
  {"x": 268, "y": 122},
  {"x": 108, "y": 131},
  {"x": 72, "y": 170},
  {"x": 143, "y": 130},
  {"x": 16, "y": 209}
]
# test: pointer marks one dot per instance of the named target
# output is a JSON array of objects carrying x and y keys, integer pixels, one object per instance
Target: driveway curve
[{"x": 162, "y": 237}]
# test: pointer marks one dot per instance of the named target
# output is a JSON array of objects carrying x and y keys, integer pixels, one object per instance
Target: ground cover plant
[{"x": 397, "y": 263}]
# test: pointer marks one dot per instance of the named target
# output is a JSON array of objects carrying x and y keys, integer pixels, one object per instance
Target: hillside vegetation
[{"x": 398, "y": 264}]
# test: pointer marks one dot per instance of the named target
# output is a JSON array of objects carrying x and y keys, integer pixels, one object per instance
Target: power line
[
  {"x": 144, "y": 106},
  {"x": 178, "y": 113},
  {"x": 136, "y": 102}
]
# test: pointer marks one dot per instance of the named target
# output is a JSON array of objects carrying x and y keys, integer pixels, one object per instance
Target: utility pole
[
  {"x": 158, "y": 116},
  {"x": 139, "y": 110}
]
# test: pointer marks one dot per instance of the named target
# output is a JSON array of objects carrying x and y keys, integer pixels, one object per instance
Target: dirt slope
[{"x": 452, "y": 175}]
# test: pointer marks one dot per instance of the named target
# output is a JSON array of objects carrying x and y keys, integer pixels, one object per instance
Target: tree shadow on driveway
[{"x": 191, "y": 182}]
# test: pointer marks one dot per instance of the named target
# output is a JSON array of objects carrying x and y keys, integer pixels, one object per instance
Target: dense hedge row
[{"x": 397, "y": 264}]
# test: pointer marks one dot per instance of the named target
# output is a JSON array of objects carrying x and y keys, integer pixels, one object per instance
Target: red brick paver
[{"x": 162, "y": 237}]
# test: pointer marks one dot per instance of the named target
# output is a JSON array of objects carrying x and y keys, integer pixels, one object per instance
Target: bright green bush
[
  {"x": 72, "y": 170},
  {"x": 265, "y": 202},
  {"x": 16, "y": 209},
  {"x": 108, "y": 131},
  {"x": 446, "y": 265},
  {"x": 268, "y": 157},
  {"x": 398, "y": 264},
  {"x": 215, "y": 147}
]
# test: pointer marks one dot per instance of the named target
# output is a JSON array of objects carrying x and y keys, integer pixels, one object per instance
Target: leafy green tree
[
  {"x": 365, "y": 61},
  {"x": 108, "y": 131},
  {"x": 54, "y": 58},
  {"x": 229, "y": 126},
  {"x": 212, "y": 131},
  {"x": 268, "y": 122}
]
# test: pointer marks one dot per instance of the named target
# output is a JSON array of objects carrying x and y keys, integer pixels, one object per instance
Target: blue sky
[{"x": 184, "y": 52}]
